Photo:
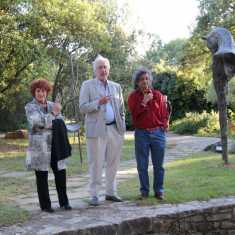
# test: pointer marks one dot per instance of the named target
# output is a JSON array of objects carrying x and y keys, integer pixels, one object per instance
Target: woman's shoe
[
  {"x": 48, "y": 210},
  {"x": 66, "y": 207}
]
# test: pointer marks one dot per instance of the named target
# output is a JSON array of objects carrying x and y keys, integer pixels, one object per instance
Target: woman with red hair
[{"x": 40, "y": 116}]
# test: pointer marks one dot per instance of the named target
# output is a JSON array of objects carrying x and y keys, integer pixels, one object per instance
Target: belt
[
  {"x": 153, "y": 128},
  {"x": 111, "y": 123},
  {"x": 40, "y": 130}
]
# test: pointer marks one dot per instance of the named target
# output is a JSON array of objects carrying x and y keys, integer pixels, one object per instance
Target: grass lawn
[
  {"x": 9, "y": 212},
  {"x": 199, "y": 177},
  {"x": 12, "y": 214}
]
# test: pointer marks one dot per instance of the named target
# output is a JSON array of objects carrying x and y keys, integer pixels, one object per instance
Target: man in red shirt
[{"x": 150, "y": 116}]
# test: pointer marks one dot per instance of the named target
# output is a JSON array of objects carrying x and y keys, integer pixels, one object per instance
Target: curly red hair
[{"x": 42, "y": 84}]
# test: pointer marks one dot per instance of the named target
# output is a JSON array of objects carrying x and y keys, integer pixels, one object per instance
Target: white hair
[{"x": 98, "y": 59}]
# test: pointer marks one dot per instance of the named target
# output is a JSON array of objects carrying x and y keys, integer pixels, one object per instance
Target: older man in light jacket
[{"x": 102, "y": 103}]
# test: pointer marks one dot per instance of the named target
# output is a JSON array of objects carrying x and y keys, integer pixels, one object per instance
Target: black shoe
[
  {"x": 48, "y": 210},
  {"x": 143, "y": 196},
  {"x": 113, "y": 198},
  {"x": 66, "y": 207},
  {"x": 159, "y": 195},
  {"x": 94, "y": 201}
]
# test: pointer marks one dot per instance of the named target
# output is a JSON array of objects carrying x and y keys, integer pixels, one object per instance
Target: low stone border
[{"x": 214, "y": 217}]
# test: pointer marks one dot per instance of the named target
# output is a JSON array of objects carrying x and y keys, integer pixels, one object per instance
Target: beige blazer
[{"x": 94, "y": 116}]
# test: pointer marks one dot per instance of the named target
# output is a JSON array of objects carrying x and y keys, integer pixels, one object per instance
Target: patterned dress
[{"x": 38, "y": 156}]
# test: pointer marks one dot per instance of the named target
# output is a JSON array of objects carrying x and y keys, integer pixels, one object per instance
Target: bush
[
  {"x": 184, "y": 94},
  {"x": 12, "y": 112},
  {"x": 197, "y": 123},
  {"x": 129, "y": 125}
]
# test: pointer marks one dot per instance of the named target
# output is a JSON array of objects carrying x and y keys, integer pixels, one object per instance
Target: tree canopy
[{"x": 58, "y": 40}]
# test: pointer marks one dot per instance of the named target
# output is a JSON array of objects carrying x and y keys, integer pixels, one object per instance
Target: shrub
[
  {"x": 184, "y": 95},
  {"x": 197, "y": 123}
]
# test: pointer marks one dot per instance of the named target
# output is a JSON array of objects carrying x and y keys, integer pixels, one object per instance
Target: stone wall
[
  {"x": 213, "y": 217},
  {"x": 211, "y": 220}
]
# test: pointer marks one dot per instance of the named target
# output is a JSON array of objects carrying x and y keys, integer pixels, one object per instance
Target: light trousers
[{"x": 104, "y": 152}]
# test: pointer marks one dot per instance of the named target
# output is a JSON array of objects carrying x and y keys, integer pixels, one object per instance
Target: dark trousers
[{"x": 43, "y": 190}]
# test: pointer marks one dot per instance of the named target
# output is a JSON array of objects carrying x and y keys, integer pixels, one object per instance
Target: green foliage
[
  {"x": 212, "y": 97},
  {"x": 171, "y": 52},
  {"x": 128, "y": 120},
  {"x": 12, "y": 109},
  {"x": 204, "y": 124},
  {"x": 57, "y": 40},
  {"x": 183, "y": 93},
  {"x": 155, "y": 53},
  {"x": 196, "y": 62},
  {"x": 215, "y": 13}
]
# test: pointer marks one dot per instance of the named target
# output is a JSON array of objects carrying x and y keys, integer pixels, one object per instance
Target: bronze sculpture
[{"x": 221, "y": 44}]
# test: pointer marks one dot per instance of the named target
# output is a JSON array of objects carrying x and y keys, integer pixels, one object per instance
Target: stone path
[{"x": 178, "y": 147}]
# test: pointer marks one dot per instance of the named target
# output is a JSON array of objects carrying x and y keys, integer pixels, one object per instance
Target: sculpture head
[{"x": 221, "y": 44}]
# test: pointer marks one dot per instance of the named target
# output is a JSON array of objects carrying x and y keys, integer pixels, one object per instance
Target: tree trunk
[
  {"x": 72, "y": 85},
  {"x": 60, "y": 69},
  {"x": 56, "y": 81}
]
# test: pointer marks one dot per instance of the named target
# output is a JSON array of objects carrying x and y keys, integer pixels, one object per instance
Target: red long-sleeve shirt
[{"x": 155, "y": 114}]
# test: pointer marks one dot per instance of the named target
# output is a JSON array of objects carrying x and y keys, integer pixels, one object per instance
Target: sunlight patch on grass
[
  {"x": 12, "y": 154},
  {"x": 191, "y": 160},
  {"x": 18, "y": 142},
  {"x": 129, "y": 137}
]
